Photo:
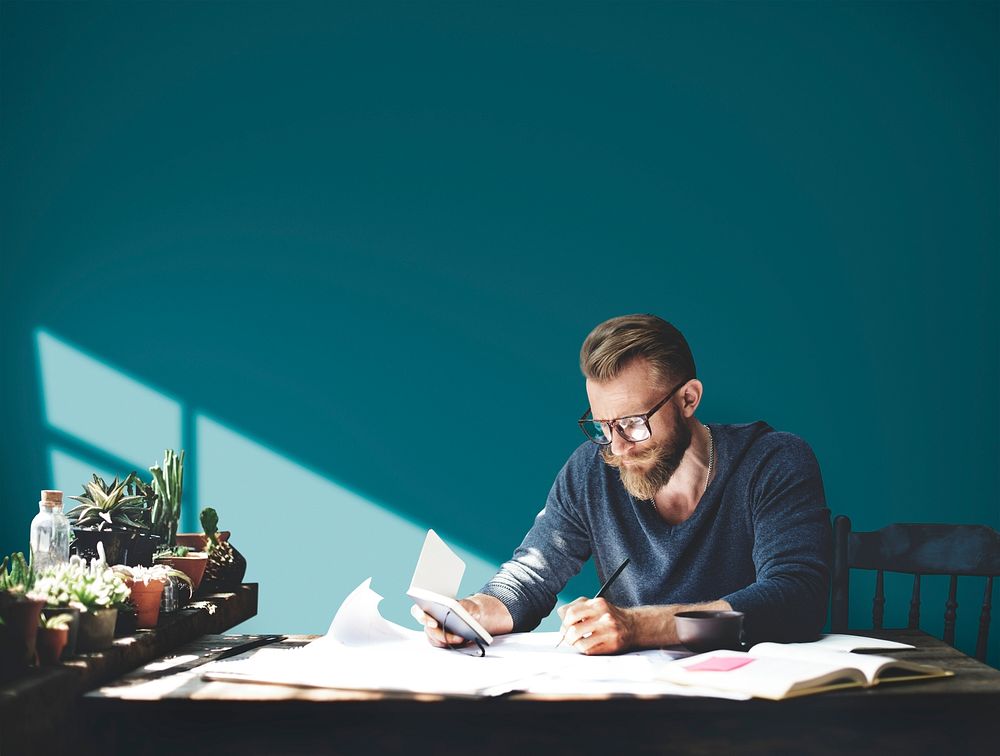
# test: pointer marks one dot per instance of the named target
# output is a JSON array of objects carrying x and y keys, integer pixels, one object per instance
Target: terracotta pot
[
  {"x": 192, "y": 565},
  {"x": 146, "y": 598},
  {"x": 51, "y": 642},
  {"x": 97, "y": 629},
  {"x": 74, "y": 626},
  {"x": 20, "y": 616},
  {"x": 199, "y": 541}
]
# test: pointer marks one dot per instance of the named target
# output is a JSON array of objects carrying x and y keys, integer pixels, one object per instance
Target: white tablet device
[{"x": 435, "y": 585}]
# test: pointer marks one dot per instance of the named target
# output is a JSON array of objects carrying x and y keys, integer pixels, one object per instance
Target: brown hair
[{"x": 616, "y": 342}]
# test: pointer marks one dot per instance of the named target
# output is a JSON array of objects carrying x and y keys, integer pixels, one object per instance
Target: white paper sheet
[
  {"x": 839, "y": 642},
  {"x": 364, "y": 651}
]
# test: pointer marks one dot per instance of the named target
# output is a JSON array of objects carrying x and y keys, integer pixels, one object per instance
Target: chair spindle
[
  {"x": 950, "y": 611},
  {"x": 878, "y": 604},
  {"x": 914, "y": 619},
  {"x": 984, "y": 621}
]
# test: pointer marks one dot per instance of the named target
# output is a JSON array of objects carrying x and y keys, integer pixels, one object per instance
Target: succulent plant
[
  {"x": 20, "y": 578},
  {"x": 168, "y": 482},
  {"x": 57, "y": 622},
  {"x": 103, "y": 505},
  {"x": 226, "y": 566},
  {"x": 93, "y": 586}
]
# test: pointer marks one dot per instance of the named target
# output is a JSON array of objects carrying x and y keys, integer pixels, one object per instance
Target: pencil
[{"x": 604, "y": 588}]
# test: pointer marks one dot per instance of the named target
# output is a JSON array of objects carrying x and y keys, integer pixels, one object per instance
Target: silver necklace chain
[
  {"x": 711, "y": 465},
  {"x": 711, "y": 458}
]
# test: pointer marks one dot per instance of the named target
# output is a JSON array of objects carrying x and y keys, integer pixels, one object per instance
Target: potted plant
[
  {"x": 53, "y": 635},
  {"x": 168, "y": 484},
  {"x": 226, "y": 566},
  {"x": 183, "y": 559},
  {"x": 199, "y": 541},
  {"x": 148, "y": 585},
  {"x": 108, "y": 515},
  {"x": 101, "y": 593},
  {"x": 53, "y": 585},
  {"x": 19, "y": 613}
]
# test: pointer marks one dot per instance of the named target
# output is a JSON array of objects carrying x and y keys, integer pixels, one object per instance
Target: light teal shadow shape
[
  {"x": 69, "y": 472},
  {"x": 103, "y": 407},
  {"x": 309, "y": 541}
]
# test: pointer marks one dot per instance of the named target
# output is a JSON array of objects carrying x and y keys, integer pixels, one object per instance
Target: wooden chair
[{"x": 916, "y": 549}]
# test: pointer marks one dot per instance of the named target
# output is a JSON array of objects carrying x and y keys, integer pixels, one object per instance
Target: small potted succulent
[
  {"x": 108, "y": 515},
  {"x": 168, "y": 482},
  {"x": 53, "y": 585},
  {"x": 53, "y": 635},
  {"x": 183, "y": 559},
  {"x": 146, "y": 584},
  {"x": 20, "y": 609},
  {"x": 226, "y": 566},
  {"x": 101, "y": 593}
]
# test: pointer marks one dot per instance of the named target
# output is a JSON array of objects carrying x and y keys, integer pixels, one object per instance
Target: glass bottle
[{"x": 50, "y": 532}]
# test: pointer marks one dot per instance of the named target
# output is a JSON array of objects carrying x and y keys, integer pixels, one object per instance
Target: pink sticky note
[{"x": 720, "y": 664}]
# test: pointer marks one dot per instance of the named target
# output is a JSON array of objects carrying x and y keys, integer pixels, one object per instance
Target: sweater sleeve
[
  {"x": 552, "y": 552},
  {"x": 792, "y": 551}
]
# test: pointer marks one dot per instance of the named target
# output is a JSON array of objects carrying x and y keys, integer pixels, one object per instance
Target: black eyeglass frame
[{"x": 614, "y": 424}]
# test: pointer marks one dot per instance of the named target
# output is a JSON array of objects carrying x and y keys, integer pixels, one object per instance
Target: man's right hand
[{"x": 488, "y": 611}]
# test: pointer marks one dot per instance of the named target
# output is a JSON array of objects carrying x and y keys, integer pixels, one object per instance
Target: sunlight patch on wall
[
  {"x": 70, "y": 472},
  {"x": 103, "y": 407},
  {"x": 309, "y": 541}
]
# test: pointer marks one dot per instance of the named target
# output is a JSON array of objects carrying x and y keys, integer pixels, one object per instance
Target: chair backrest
[{"x": 917, "y": 549}]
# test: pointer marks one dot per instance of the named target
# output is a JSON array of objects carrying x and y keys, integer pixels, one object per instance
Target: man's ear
[{"x": 691, "y": 396}]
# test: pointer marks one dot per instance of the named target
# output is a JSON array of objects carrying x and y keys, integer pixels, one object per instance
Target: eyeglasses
[{"x": 633, "y": 428}]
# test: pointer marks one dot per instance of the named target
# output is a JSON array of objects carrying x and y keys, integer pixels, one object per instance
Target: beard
[{"x": 645, "y": 473}]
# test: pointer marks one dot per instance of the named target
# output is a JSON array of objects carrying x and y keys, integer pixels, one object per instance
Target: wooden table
[
  {"x": 955, "y": 715},
  {"x": 39, "y": 712}
]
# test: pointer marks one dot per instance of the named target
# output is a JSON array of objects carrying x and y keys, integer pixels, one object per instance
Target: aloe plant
[
  {"x": 103, "y": 505},
  {"x": 20, "y": 578},
  {"x": 168, "y": 482}
]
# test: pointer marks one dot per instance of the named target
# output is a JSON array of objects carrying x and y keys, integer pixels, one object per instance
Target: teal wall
[{"x": 345, "y": 254}]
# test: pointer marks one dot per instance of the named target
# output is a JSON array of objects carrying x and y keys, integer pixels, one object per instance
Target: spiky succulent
[
  {"x": 20, "y": 579},
  {"x": 168, "y": 482},
  {"x": 226, "y": 566},
  {"x": 104, "y": 505}
]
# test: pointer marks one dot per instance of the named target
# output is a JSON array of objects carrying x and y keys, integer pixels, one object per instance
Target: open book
[
  {"x": 435, "y": 584},
  {"x": 786, "y": 670}
]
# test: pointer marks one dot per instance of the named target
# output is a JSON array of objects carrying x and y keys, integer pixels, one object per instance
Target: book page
[
  {"x": 762, "y": 676},
  {"x": 840, "y": 642},
  {"x": 874, "y": 667}
]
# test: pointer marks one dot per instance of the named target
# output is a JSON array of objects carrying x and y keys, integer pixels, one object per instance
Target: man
[{"x": 711, "y": 517}]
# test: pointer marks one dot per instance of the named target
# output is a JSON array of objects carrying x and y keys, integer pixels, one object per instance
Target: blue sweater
[{"x": 760, "y": 538}]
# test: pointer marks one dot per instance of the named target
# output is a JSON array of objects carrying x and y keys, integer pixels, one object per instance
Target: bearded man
[{"x": 723, "y": 517}]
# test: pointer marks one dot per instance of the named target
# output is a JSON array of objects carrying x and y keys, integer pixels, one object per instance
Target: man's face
[{"x": 644, "y": 466}]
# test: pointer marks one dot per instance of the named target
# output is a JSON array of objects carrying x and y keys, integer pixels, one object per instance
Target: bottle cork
[{"x": 52, "y": 497}]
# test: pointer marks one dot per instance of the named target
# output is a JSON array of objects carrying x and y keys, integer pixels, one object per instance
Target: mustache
[{"x": 615, "y": 460}]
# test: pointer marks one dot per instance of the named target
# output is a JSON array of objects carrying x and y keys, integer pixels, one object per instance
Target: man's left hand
[{"x": 593, "y": 626}]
